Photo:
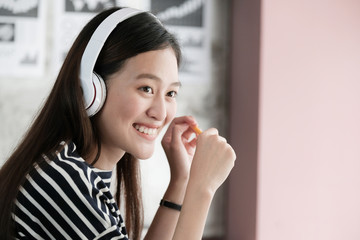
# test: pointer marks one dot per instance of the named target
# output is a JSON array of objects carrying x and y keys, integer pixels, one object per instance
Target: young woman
[{"x": 56, "y": 183}]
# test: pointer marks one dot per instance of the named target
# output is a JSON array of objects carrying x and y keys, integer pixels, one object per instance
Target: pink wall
[
  {"x": 309, "y": 120},
  {"x": 295, "y": 120}
]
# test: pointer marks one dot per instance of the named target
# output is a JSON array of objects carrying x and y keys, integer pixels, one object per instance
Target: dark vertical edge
[{"x": 244, "y": 118}]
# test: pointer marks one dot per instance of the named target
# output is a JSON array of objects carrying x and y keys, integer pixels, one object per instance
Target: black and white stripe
[{"x": 67, "y": 199}]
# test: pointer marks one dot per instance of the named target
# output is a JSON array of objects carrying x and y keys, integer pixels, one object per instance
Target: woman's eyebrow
[{"x": 154, "y": 77}]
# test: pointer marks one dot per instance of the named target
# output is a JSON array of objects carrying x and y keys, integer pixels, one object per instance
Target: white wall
[{"x": 309, "y": 130}]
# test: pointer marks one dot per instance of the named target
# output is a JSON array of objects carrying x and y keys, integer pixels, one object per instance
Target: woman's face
[{"x": 140, "y": 102}]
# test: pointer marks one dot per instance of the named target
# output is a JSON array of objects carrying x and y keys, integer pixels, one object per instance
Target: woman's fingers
[
  {"x": 177, "y": 133},
  {"x": 189, "y": 120},
  {"x": 188, "y": 133},
  {"x": 192, "y": 143},
  {"x": 184, "y": 119},
  {"x": 211, "y": 131}
]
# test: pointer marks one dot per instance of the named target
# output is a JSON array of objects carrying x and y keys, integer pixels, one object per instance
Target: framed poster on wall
[{"x": 22, "y": 38}]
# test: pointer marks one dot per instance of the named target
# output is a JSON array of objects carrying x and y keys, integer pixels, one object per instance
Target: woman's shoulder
[
  {"x": 69, "y": 162},
  {"x": 65, "y": 169},
  {"x": 65, "y": 161},
  {"x": 67, "y": 155},
  {"x": 65, "y": 175},
  {"x": 63, "y": 195}
]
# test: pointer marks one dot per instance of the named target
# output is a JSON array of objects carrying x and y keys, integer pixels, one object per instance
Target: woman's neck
[{"x": 105, "y": 158}]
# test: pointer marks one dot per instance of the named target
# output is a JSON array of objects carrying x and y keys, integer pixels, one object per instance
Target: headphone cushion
[{"x": 99, "y": 95}]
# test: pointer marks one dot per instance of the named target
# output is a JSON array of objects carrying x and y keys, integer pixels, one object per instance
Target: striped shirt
[{"x": 66, "y": 198}]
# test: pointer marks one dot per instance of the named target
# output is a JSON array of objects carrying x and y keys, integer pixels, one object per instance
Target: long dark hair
[{"x": 63, "y": 117}]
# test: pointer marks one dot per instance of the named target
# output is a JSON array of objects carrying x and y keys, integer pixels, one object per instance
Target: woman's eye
[
  {"x": 172, "y": 94},
  {"x": 146, "y": 89}
]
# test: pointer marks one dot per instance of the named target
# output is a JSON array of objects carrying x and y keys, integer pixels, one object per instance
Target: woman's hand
[
  {"x": 214, "y": 158},
  {"x": 178, "y": 147},
  {"x": 211, "y": 165}
]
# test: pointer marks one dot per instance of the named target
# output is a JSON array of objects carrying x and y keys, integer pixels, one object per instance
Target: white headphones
[{"x": 93, "y": 86}]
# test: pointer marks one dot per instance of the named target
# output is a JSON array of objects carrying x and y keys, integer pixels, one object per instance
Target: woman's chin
[{"x": 144, "y": 155}]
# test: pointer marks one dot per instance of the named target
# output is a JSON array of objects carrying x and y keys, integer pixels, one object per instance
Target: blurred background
[{"x": 280, "y": 80}]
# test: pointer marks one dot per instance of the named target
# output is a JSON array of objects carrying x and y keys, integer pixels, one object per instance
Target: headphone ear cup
[{"x": 99, "y": 95}]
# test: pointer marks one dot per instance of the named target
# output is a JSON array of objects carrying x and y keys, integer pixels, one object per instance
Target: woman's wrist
[
  {"x": 194, "y": 211},
  {"x": 171, "y": 205},
  {"x": 179, "y": 176},
  {"x": 176, "y": 190},
  {"x": 200, "y": 188}
]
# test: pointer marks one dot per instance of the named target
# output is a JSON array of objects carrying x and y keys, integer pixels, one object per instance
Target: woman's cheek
[{"x": 171, "y": 112}]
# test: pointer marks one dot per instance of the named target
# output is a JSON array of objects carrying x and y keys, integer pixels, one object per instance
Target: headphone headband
[{"x": 93, "y": 49}]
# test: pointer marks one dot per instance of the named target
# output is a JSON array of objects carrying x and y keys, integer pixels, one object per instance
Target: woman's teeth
[{"x": 142, "y": 129}]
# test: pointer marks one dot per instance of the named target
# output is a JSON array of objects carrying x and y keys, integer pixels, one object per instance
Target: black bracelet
[{"x": 171, "y": 205}]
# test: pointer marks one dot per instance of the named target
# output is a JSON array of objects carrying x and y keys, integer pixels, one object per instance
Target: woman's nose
[{"x": 157, "y": 109}]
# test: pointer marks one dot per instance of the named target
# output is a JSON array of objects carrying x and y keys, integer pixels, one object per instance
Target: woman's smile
[{"x": 147, "y": 131}]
